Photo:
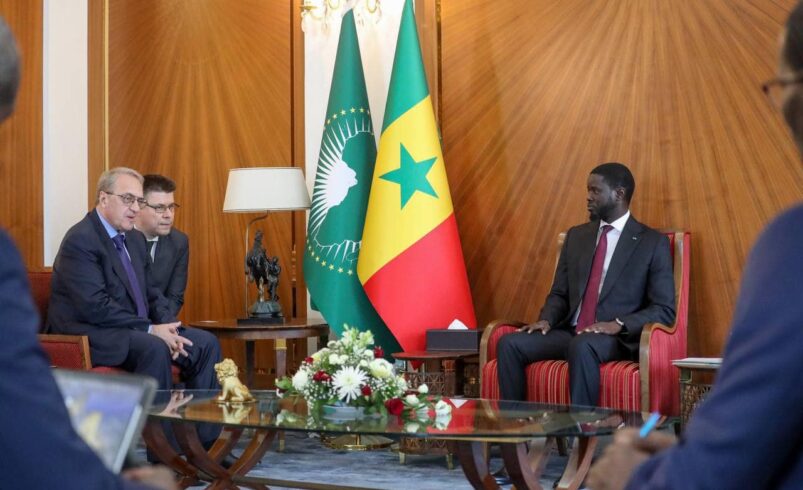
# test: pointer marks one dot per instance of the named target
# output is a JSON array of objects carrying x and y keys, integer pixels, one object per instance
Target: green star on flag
[{"x": 411, "y": 176}]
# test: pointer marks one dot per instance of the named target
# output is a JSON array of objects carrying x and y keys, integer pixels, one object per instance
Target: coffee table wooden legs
[
  {"x": 525, "y": 462},
  {"x": 202, "y": 464},
  {"x": 579, "y": 463}
]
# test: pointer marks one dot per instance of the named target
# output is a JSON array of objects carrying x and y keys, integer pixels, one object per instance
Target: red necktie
[{"x": 588, "y": 310}]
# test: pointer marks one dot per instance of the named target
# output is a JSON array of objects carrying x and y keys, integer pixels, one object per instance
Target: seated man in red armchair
[{"x": 614, "y": 276}]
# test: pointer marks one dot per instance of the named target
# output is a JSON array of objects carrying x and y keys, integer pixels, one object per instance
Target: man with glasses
[
  {"x": 101, "y": 288},
  {"x": 748, "y": 432},
  {"x": 168, "y": 248}
]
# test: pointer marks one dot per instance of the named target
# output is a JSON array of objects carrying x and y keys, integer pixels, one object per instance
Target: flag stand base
[{"x": 355, "y": 442}]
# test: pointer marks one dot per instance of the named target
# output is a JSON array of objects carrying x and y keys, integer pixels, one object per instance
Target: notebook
[{"x": 107, "y": 410}]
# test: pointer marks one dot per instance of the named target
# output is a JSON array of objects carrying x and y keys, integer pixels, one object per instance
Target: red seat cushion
[{"x": 548, "y": 382}]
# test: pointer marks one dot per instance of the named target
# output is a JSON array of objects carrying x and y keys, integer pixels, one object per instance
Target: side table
[
  {"x": 696, "y": 378},
  {"x": 279, "y": 333},
  {"x": 441, "y": 380}
]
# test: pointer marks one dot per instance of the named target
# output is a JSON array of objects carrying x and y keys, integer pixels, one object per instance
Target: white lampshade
[{"x": 265, "y": 189}]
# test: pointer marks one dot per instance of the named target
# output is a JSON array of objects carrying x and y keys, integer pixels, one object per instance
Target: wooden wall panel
[
  {"x": 21, "y": 137},
  {"x": 537, "y": 93},
  {"x": 197, "y": 88}
]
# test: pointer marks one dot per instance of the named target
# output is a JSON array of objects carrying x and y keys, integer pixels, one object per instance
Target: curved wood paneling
[
  {"x": 537, "y": 93},
  {"x": 197, "y": 88},
  {"x": 21, "y": 137}
]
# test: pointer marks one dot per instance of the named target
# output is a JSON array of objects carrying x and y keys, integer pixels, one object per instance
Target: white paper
[{"x": 457, "y": 325}]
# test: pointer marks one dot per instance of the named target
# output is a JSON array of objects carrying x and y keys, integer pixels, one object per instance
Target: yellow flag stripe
[{"x": 389, "y": 228}]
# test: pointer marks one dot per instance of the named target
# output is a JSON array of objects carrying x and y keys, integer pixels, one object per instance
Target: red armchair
[
  {"x": 649, "y": 384},
  {"x": 65, "y": 351}
]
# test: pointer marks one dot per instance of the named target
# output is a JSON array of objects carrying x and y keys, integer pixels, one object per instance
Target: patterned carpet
[{"x": 305, "y": 459}]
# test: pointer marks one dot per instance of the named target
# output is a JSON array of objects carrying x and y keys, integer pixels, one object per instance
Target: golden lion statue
[{"x": 233, "y": 390}]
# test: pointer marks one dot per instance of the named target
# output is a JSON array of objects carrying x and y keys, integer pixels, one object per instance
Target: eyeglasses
[
  {"x": 162, "y": 209},
  {"x": 129, "y": 199},
  {"x": 773, "y": 89}
]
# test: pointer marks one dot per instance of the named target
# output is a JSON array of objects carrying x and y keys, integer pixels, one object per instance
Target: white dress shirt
[{"x": 613, "y": 239}]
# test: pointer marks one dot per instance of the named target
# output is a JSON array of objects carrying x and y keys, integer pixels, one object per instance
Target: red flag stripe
[{"x": 423, "y": 287}]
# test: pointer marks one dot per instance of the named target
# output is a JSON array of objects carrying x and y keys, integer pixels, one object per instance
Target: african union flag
[
  {"x": 339, "y": 198},
  {"x": 411, "y": 264}
]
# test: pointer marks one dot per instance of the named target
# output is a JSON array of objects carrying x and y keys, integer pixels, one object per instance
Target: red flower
[
  {"x": 394, "y": 406},
  {"x": 378, "y": 352},
  {"x": 366, "y": 390},
  {"x": 309, "y": 360},
  {"x": 321, "y": 376}
]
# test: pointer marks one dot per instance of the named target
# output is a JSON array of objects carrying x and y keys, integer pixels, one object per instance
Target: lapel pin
[{"x": 635, "y": 238}]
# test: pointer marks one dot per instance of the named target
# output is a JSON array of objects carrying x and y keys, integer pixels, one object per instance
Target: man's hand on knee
[
  {"x": 539, "y": 326},
  {"x": 607, "y": 328},
  {"x": 168, "y": 332}
]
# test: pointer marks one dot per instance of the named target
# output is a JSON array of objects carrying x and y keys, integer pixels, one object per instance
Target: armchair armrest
[
  {"x": 660, "y": 344},
  {"x": 67, "y": 351},
  {"x": 490, "y": 337}
]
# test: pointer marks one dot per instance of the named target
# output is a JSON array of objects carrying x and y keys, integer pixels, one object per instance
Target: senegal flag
[
  {"x": 411, "y": 264},
  {"x": 339, "y": 198}
]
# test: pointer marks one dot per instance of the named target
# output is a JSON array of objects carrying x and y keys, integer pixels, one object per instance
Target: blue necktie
[{"x": 119, "y": 244}]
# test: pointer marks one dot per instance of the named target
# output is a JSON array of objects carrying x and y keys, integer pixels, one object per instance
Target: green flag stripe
[
  {"x": 348, "y": 79},
  {"x": 340, "y": 197},
  {"x": 408, "y": 81}
]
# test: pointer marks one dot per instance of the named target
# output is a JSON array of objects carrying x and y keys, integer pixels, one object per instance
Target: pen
[{"x": 649, "y": 425}]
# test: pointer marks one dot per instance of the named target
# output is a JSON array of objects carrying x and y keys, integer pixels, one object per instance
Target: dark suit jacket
[
  {"x": 639, "y": 287},
  {"x": 748, "y": 433},
  {"x": 91, "y": 295},
  {"x": 169, "y": 269},
  {"x": 38, "y": 445}
]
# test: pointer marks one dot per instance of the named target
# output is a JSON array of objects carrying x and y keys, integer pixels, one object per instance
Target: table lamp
[{"x": 261, "y": 190}]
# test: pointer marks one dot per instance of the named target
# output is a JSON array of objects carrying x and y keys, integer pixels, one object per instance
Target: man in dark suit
[
  {"x": 40, "y": 448},
  {"x": 614, "y": 275},
  {"x": 748, "y": 433},
  {"x": 168, "y": 248},
  {"x": 100, "y": 288}
]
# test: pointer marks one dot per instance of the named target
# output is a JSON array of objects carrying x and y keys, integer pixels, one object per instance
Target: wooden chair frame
[{"x": 646, "y": 334}]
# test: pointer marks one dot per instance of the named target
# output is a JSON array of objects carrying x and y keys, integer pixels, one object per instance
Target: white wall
[
  {"x": 377, "y": 47},
  {"x": 64, "y": 87}
]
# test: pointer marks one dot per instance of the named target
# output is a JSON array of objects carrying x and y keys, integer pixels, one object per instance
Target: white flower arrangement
[{"x": 350, "y": 371}]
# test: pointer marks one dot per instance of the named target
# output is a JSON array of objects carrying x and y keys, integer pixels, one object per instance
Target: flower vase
[{"x": 343, "y": 412}]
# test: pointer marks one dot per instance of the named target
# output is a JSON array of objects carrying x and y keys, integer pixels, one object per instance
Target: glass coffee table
[{"x": 525, "y": 432}]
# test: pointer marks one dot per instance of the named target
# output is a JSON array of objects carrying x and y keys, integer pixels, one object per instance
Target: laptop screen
[{"x": 107, "y": 410}]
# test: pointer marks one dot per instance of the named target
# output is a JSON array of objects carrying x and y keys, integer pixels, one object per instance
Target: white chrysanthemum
[
  {"x": 368, "y": 354},
  {"x": 347, "y": 382},
  {"x": 401, "y": 383},
  {"x": 300, "y": 379},
  {"x": 380, "y": 368},
  {"x": 364, "y": 363},
  {"x": 334, "y": 359},
  {"x": 442, "y": 408},
  {"x": 423, "y": 388}
]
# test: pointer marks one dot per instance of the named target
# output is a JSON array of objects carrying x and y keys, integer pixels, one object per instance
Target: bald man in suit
[{"x": 613, "y": 277}]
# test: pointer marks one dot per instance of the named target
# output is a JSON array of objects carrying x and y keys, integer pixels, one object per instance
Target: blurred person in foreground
[
  {"x": 748, "y": 433},
  {"x": 38, "y": 446}
]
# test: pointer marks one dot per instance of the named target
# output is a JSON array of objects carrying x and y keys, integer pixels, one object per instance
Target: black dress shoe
[{"x": 228, "y": 461}]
